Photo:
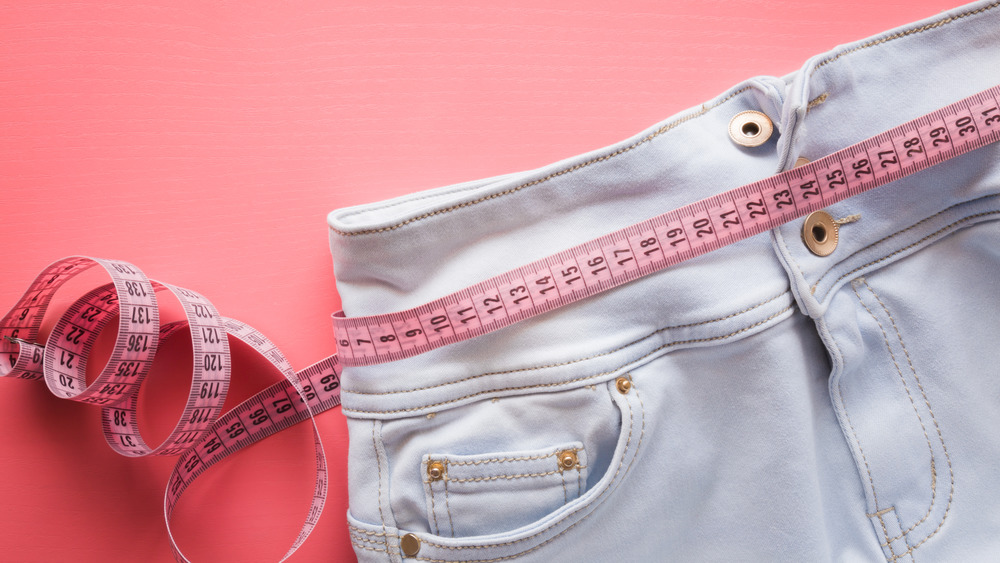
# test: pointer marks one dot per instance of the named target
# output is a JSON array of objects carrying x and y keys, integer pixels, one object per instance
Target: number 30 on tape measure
[
  {"x": 652, "y": 245},
  {"x": 204, "y": 435}
]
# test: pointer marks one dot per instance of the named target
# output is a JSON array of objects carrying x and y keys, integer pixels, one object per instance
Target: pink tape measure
[
  {"x": 652, "y": 245},
  {"x": 204, "y": 435}
]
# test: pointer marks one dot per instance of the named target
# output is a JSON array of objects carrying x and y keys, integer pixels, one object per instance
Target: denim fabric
[{"x": 783, "y": 406}]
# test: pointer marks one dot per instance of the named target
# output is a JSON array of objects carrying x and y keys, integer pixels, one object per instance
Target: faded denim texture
[{"x": 783, "y": 406}]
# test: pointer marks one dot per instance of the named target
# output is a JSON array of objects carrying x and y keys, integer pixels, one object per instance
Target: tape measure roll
[{"x": 202, "y": 437}]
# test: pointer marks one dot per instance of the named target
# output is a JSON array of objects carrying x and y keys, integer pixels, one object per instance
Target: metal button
[
  {"x": 820, "y": 233},
  {"x": 750, "y": 128},
  {"x": 801, "y": 161},
  {"x": 567, "y": 459},
  {"x": 435, "y": 470},
  {"x": 623, "y": 385},
  {"x": 410, "y": 544}
]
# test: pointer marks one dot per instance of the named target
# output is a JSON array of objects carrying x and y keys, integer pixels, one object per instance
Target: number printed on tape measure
[
  {"x": 203, "y": 435},
  {"x": 675, "y": 236}
]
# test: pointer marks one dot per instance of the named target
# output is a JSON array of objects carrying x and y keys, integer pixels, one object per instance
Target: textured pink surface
[{"x": 205, "y": 142}]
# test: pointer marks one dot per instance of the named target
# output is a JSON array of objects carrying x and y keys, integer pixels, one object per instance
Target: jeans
[{"x": 759, "y": 402}]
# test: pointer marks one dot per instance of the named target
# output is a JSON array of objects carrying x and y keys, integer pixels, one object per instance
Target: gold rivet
[
  {"x": 750, "y": 128},
  {"x": 435, "y": 470},
  {"x": 567, "y": 459},
  {"x": 820, "y": 233},
  {"x": 623, "y": 385},
  {"x": 801, "y": 161},
  {"x": 410, "y": 544}
]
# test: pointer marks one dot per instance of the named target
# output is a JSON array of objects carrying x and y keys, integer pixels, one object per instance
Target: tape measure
[
  {"x": 204, "y": 435},
  {"x": 652, "y": 245}
]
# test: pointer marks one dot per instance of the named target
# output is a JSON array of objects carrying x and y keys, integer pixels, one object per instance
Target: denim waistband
[{"x": 404, "y": 252}]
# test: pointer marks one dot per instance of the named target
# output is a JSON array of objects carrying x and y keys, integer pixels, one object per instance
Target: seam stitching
[
  {"x": 577, "y": 360},
  {"x": 906, "y": 540},
  {"x": 667, "y": 127},
  {"x": 663, "y": 129},
  {"x": 817, "y": 101},
  {"x": 502, "y": 459},
  {"x": 451, "y": 462},
  {"x": 382, "y": 206},
  {"x": 579, "y": 485},
  {"x": 909, "y": 246},
  {"x": 357, "y": 539},
  {"x": 854, "y": 434},
  {"x": 368, "y": 533},
  {"x": 904, "y": 33},
  {"x": 369, "y": 548},
  {"x": 447, "y": 502},
  {"x": 802, "y": 273},
  {"x": 584, "y": 378},
  {"x": 505, "y": 477},
  {"x": 437, "y": 529},
  {"x": 881, "y": 519},
  {"x": 897, "y": 233},
  {"x": 937, "y": 427},
  {"x": 913, "y": 404},
  {"x": 378, "y": 463}
]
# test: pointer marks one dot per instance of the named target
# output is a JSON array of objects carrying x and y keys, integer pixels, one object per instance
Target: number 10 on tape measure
[
  {"x": 205, "y": 435},
  {"x": 652, "y": 245}
]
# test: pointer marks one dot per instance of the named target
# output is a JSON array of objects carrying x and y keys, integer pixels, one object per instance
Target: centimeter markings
[
  {"x": 652, "y": 245},
  {"x": 240, "y": 428},
  {"x": 203, "y": 436}
]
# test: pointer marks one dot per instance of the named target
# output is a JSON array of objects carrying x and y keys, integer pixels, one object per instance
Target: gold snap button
[
  {"x": 750, "y": 128},
  {"x": 410, "y": 544},
  {"x": 567, "y": 459},
  {"x": 623, "y": 385},
  {"x": 801, "y": 161},
  {"x": 435, "y": 470},
  {"x": 820, "y": 233}
]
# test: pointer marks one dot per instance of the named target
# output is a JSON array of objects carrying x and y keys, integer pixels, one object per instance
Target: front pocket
[
  {"x": 470, "y": 495},
  {"x": 611, "y": 434}
]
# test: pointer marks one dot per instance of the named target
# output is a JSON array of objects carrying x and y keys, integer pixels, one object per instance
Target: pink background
[{"x": 206, "y": 141}]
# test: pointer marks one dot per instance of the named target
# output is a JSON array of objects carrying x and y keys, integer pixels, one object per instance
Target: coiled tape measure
[{"x": 204, "y": 435}]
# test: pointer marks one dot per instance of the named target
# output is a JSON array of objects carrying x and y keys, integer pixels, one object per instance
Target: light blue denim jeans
[{"x": 781, "y": 406}]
